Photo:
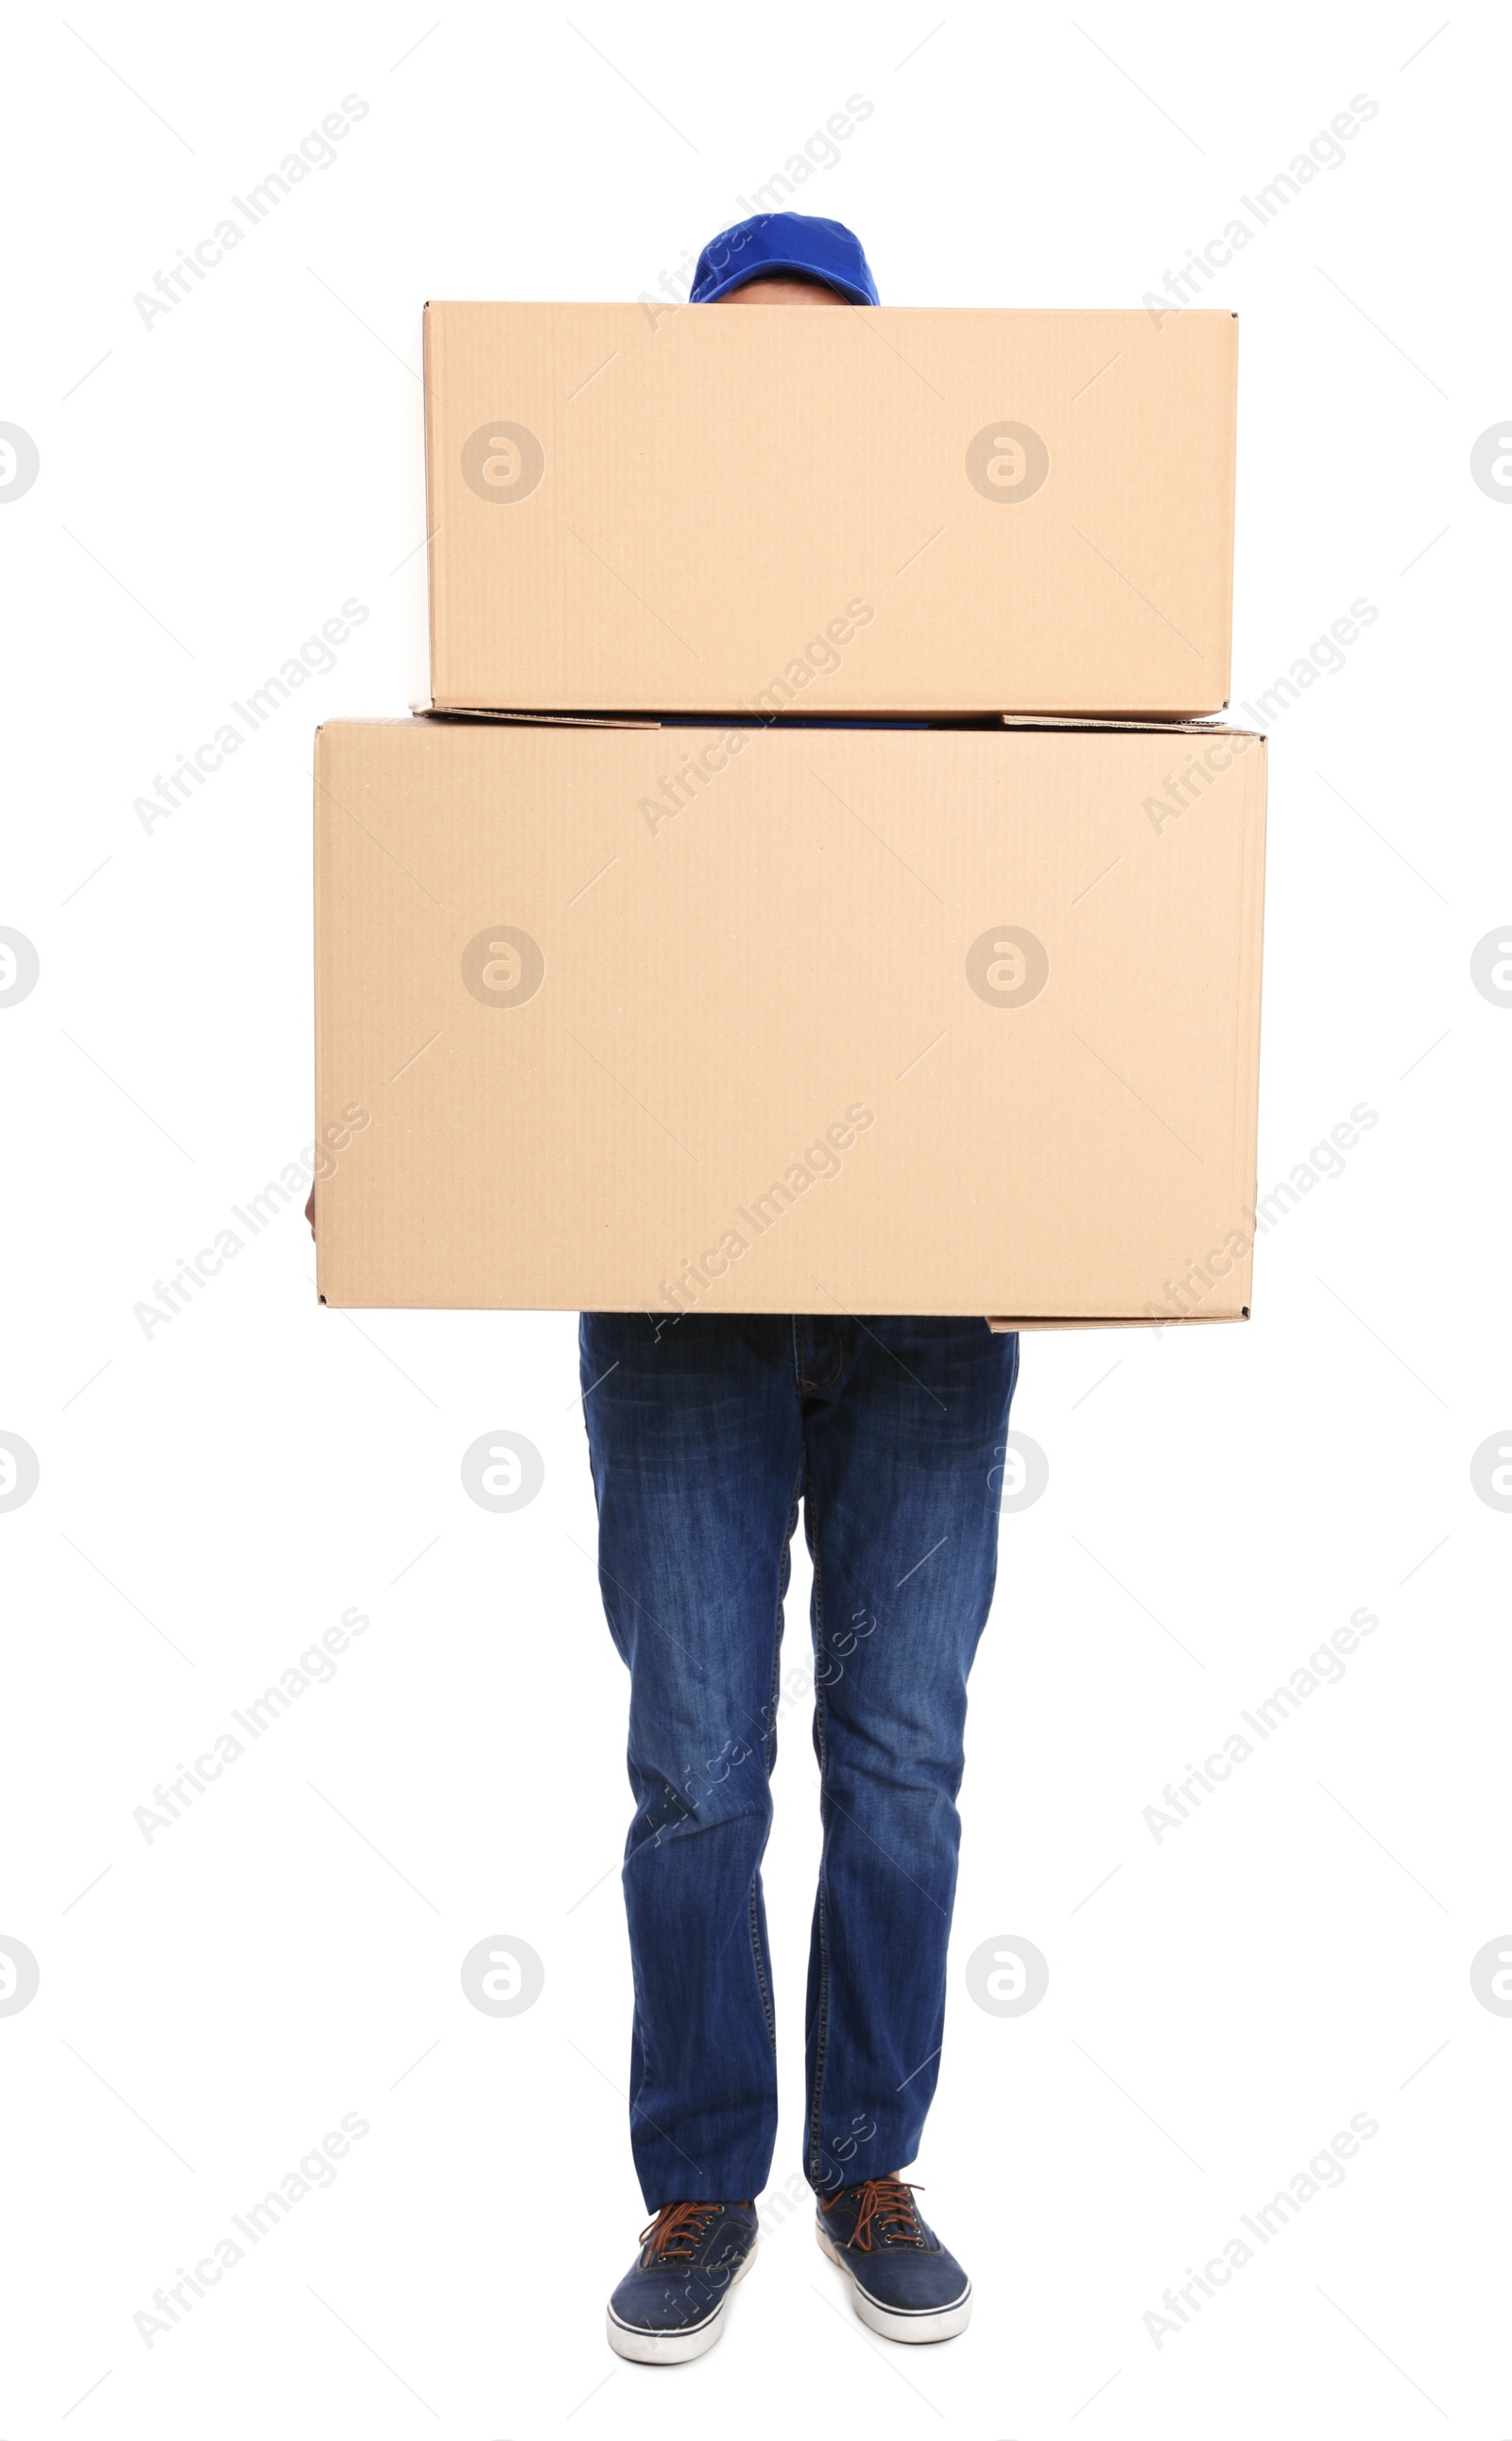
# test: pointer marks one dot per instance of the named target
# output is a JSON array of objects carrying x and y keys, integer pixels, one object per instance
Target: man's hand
[{"x": 309, "y": 1210}]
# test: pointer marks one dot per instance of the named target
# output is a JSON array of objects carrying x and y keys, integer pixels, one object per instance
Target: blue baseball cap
[{"x": 798, "y": 244}]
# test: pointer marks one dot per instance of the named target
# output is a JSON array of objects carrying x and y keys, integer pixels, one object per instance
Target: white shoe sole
[
  {"x": 942, "y": 2322},
  {"x": 674, "y": 2347}
]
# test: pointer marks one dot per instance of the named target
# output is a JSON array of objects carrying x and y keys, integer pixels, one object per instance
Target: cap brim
[{"x": 783, "y": 270}]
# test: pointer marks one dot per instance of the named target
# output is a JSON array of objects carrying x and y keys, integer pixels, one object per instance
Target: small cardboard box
[
  {"x": 765, "y": 1019},
  {"x": 716, "y": 509}
]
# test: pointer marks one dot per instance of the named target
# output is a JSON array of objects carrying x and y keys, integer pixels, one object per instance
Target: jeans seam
[
  {"x": 759, "y": 1961},
  {"x": 821, "y": 2011},
  {"x": 757, "y": 1954}
]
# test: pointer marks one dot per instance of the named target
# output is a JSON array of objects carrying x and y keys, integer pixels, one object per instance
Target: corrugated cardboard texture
[
  {"x": 719, "y": 508},
  {"x": 936, "y": 1022}
]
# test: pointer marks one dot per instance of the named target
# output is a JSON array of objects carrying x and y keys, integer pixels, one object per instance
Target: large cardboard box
[
  {"x": 766, "y": 1019},
  {"x": 721, "y": 509}
]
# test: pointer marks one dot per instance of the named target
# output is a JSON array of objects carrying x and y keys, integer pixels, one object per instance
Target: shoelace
[
  {"x": 889, "y": 2203},
  {"x": 676, "y": 2231}
]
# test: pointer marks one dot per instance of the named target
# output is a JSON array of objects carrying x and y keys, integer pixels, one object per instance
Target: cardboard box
[
  {"x": 713, "y": 509},
  {"x": 688, "y": 1020}
]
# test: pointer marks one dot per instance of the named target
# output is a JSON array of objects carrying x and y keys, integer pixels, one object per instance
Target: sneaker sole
[
  {"x": 933, "y": 2323},
  {"x": 673, "y": 2347}
]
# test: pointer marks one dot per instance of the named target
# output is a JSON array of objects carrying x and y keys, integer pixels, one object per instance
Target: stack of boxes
[{"x": 812, "y": 881}]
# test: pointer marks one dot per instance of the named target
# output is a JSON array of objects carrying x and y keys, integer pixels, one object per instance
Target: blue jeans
[{"x": 705, "y": 1433}]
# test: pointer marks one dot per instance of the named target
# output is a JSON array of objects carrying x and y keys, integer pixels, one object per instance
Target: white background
[{"x": 212, "y": 1497}]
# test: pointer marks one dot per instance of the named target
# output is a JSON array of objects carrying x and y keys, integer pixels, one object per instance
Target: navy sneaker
[
  {"x": 671, "y": 2303},
  {"x": 903, "y": 2283}
]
